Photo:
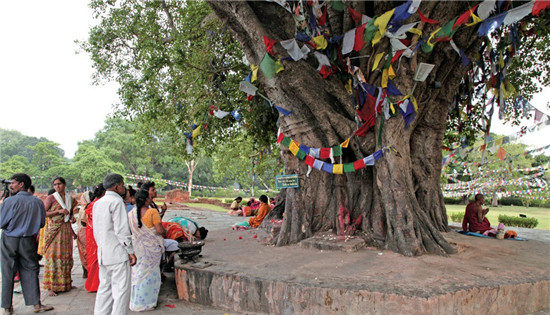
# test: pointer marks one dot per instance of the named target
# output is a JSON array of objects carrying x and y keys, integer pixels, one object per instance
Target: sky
[{"x": 46, "y": 88}]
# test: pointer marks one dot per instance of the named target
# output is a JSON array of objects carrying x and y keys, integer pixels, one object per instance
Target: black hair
[
  {"x": 23, "y": 178},
  {"x": 132, "y": 191},
  {"x": 141, "y": 198},
  {"x": 31, "y": 189},
  {"x": 61, "y": 179},
  {"x": 239, "y": 198},
  {"x": 99, "y": 190},
  {"x": 203, "y": 232},
  {"x": 263, "y": 198},
  {"x": 139, "y": 185},
  {"x": 147, "y": 185},
  {"x": 51, "y": 191},
  {"x": 111, "y": 180}
]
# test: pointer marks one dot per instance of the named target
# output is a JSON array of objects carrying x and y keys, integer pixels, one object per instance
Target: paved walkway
[{"x": 80, "y": 302}]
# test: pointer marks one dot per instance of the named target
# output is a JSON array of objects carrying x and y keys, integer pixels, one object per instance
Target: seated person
[
  {"x": 236, "y": 208},
  {"x": 252, "y": 207},
  {"x": 271, "y": 202},
  {"x": 474, "y": 218},
  {"x": 255, "y": 221}
]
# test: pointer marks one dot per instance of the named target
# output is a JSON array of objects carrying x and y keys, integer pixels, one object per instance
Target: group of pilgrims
[{"x": 155, "y": 241}]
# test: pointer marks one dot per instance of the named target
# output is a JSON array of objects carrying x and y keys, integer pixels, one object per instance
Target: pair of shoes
[{"x": 43, "y": 308}]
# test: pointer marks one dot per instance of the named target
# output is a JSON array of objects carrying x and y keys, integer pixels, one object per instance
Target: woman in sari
[
  {"x": 256, "y": 220},
  {"x": 147, "y": 231},
  {"x": 58, "y": 239},
  {"x": 81, "y": 240},
  {"x": 92, "y": 282}
]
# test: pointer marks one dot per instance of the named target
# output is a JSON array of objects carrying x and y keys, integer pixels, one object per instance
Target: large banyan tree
[{"x": 345, "y": 71}]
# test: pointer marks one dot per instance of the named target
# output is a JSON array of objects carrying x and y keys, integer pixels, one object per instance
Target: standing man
[
  {"x": 115, "y": 253},
  {"x": 21, "y": 217}
]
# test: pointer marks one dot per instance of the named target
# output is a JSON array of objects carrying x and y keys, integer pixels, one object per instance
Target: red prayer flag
[
  {"x": 365, "y": 127},
  {"x": 425, "y": 19},
  {"x": 359, "y": 41},
  {"x": 269, "y": 44},
  {"x": 309, "y": 160},
  {"x": 539, "y": 6},
  {"x": 326, "y": 71},
  {"x": 359, "y": 164},
  {"x": 397, "y": 55},
  {"x": 323, "y": 18},
  {"x": 464, "y": 17},
  {"x": 356, "y": 16},
  {"x": 324, "y": 153},
  {"x": 280, "y": 138},
  {"x": 367, "y": 110},
  {"x": 501, "y": 154}
]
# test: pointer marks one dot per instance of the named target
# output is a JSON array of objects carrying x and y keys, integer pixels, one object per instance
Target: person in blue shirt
[{"x": 21, "y": 217}]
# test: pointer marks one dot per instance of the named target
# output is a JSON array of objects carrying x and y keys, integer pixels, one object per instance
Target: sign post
[{"x": 287, "y": 181}]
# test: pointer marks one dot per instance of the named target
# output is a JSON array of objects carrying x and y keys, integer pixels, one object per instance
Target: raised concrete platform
[{"x": 488, "y": 276}]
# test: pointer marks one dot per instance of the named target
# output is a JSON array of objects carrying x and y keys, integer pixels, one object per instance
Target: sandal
[{"x": 43, "y": 308}]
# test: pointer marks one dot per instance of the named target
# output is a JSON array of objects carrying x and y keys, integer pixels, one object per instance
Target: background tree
[{"x": 90, "y": 165}]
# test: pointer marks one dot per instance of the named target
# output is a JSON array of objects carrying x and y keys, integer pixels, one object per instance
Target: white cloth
[
  {"x": 111, "y": 230},
  {"x": 349, "y": 41},
  {"x": 66, "y": 204},
  {"x": 170, "y": 245},
  {"x": 293, "y": 49},
  {"x": 113, "y": 294}
]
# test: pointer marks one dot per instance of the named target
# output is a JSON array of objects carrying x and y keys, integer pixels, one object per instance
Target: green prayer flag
[
  {"x": 269, "y": 66},
  {"x": 337, "y": 5},
  {"x": 388, "y": 59},
  {"x": 301, "y": 155},
  {"x": 337, "y": 150},
  {"x": 348, "y": 168},
  {"x": 286, "y": 141},
  {"x": 426, "y": 48},
  {"x": 370, "y": 29},
  {"x": 447, "y": 30}
]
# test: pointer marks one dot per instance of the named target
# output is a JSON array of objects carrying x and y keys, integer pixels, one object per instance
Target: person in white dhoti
[{"x": 115, "y": 253}]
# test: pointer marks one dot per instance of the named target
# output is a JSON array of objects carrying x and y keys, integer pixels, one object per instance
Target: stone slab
[{"x": 329, "y": 241}]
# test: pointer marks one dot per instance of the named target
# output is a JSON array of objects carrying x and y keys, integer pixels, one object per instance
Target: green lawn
[
  {"x": 541, "y": 214},
  {"x": 206, "y": 206}
]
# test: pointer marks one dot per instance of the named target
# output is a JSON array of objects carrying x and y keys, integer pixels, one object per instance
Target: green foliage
[
  {"x": 15, "y": 164},
  {"x": 530, "y": 223},
  {"x": 91, "y": 165},
  {"x": 15, "y": 143},
  {"x": 511, "y": 201},
  {"x": 173, "y": 60},
  {"x": 456, "y": 216}
]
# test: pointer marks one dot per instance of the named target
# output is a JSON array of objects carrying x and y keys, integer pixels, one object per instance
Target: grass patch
[
  {"x": 541, "y": 214},
  {"x": 206, "y": 206}
]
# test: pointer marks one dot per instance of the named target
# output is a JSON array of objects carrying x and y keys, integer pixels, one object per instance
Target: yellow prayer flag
[
  {"x": 382, "y": 21},
  {"x": 338, "y": 169},
  {"x": 501, "y": 61},
  {"x": 377, "y": 60},
  {"x": 429, "y": 41},
  {"x": 196, "y": 131},
  {"x": 384, "y": 82},
  {"x": 498, "y": 142},
  {"x": 376, "y": 39},
  {"x": 345, "y": 143},
  {"x": 475, "y": 19},
  {"x": 294, "y": 147},
  {"x": 320, "y": 41},
  {"x": 280, "y": 66},
  {"x": 348, "y": 86},
  {"x": 414, "y": 103},
  {"x": 416, "y": 31},
  {"x": 503, "y": 89},
  {"x": 254, "y": 76},
  {"x": 391, "y": 73},
  {"x": 391, "y": 106}
]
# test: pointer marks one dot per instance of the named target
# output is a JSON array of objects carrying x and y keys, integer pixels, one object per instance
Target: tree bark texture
[{"x": 397, "y": 203}]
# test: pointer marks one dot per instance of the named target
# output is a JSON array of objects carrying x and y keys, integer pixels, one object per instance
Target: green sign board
[{"x": 286, "y": 181}]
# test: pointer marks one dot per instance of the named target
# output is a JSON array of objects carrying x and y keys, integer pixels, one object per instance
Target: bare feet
[
  {"x": 50, "y": 293},
  {"x": 8, "y": 311},
  {"x": 42, "y": 308}
]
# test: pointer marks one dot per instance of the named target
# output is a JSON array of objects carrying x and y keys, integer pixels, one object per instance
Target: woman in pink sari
[{"x": 147, "y": 231}]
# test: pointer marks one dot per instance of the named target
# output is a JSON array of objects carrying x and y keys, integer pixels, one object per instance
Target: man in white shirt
[{"x": 115, "y": 253}]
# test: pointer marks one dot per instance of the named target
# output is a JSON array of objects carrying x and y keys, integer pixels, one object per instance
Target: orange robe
[{"x": 255, "y": 221}]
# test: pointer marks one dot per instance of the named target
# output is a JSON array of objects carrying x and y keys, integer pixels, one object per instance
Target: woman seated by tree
[
  {"x": 255, "y": 221},
  {"x": 236, "y": 207}
]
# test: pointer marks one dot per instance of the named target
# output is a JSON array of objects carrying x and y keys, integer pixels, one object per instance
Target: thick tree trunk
[{"x": 398, "y": 201}]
